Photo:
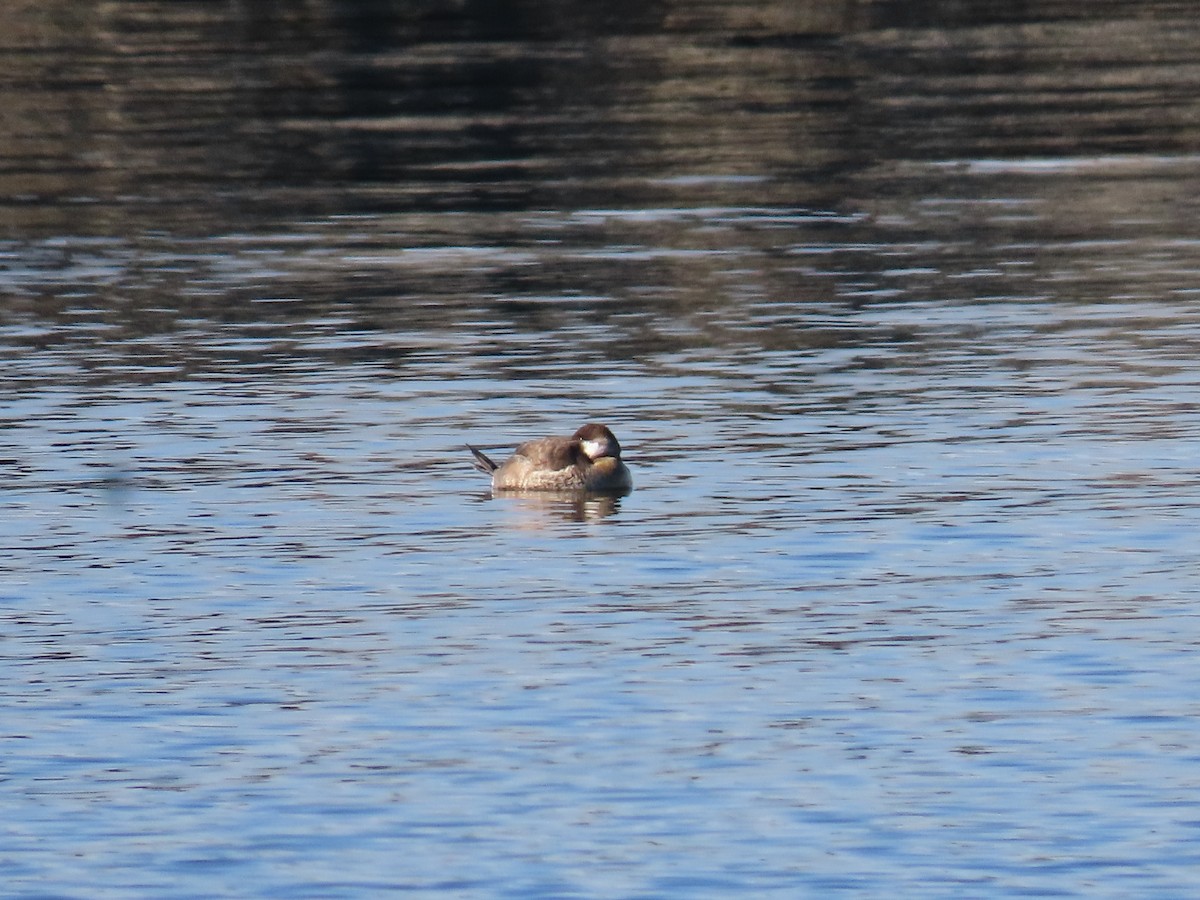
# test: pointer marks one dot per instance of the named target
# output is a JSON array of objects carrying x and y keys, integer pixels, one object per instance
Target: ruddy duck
[{"x": 588, "y": 460}]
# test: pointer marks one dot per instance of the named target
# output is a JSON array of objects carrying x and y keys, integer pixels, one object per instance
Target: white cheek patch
[{"x": 594, "y": 448}]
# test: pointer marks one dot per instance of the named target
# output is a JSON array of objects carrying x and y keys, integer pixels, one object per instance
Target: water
[{"x": 895, "y": 314}]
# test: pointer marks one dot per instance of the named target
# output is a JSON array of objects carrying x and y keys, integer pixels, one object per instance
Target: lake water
[{"x": 897, "y": 315}]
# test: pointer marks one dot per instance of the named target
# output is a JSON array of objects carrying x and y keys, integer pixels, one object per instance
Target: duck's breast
[{"x": 608, "y": 474}]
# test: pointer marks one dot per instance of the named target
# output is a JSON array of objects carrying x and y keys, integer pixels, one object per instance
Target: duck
[{"x": 588, "y": 460}]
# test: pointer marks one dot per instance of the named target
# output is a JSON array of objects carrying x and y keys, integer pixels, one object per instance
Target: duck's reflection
[{"x": 570, "y": 506}]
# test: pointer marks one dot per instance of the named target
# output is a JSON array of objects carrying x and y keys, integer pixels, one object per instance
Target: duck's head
[{"x": 597, "y": 442}]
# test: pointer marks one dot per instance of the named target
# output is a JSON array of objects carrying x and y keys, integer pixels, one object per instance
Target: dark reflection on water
[
  {"x": 195, "y": 118},
  {"x": 892, "y": 307}
]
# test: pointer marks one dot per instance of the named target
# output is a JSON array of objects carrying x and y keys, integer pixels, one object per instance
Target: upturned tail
[{"x": 482, "y": 461}]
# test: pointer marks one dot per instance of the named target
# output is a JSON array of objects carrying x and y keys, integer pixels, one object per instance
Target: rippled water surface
[{"x": 895, "y": 315}]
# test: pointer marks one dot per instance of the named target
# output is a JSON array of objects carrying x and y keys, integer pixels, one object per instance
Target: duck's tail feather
[{"x": 482, "y": 461}]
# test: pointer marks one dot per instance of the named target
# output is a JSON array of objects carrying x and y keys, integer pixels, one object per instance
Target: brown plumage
[{"x": 588, "y": 460}]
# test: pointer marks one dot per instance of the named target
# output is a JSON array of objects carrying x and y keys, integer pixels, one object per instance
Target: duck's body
[{"x": 588, "y": 460}]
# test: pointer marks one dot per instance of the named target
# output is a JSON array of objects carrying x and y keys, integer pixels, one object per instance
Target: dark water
[{"x": 894, "y": 310}]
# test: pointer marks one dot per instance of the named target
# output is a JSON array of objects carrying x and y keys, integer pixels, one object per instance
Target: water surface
[{"x": 894, "y": 312}]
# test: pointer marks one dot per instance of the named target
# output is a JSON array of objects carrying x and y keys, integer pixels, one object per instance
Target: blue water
[
  {"x": 903, "y": 601},
  {"x": 924, "y": 623}
]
